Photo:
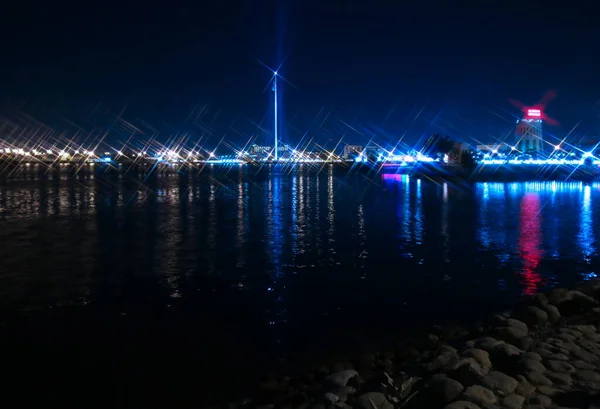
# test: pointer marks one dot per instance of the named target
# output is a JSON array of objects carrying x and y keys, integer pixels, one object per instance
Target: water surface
[{"x": 199, "y": 282}]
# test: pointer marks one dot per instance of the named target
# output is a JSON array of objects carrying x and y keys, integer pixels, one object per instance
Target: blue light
[
  {"x": 274, "y": 72},
  {"x": 106, "y": 159}
]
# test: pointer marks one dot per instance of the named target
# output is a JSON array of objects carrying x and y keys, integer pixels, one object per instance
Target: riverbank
[
  {"x": 500, "y": 173},
  {"x": 425, "y": 170},
  {"x": 546, "y": 353}
]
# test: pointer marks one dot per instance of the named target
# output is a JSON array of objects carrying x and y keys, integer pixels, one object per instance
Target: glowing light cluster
[{"x": 576, "y": 162}]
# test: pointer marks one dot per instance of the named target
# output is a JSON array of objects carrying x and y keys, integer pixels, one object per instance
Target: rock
[
  {"x": 556, "y": 295},
  {"x": 592, "y": 336},
  {"x": 548, "y": 390},
  {"x": 505, "y": 357},
  {"x": 342, "y": 393},
  {"x": 544, "y": 353},
  {"x": 584, "y": 329},
  {"x": 538, "y": 379},
  {"x": 524, "y": 388},
  {"x": 560, "y": 366},
  {"x": 531, "y": 365},
  {"x": 575, "y": 302},
  {"x": 469, "y": 372},
  {"x": 570, "y": 331},
  {"x": 487, "y": 343},
  {"x": 587, "y": 375},
  {"x": 444, "y": 362},
  {"x": 461, "y": 404},
  {"x": 433, "y": 340},
  {"x": 534, "y": 316},
  {"x": 542, "y": 400},
  {"x": 566, "y": 337},
  {"x": 553, "y": 313},
  {"x": 558, "y": 357},
  {"x": 442, "y": 390},
  {"x": 589, "y": 346},
  {"x": 331, "y": 397},
  {"x": 532, "y": 355},
  {"x": 560, "y": 378},
  {"x": 538, "y": 299},
  {"x": 480, "y": 395},
  {"x": 520, "y": 325},
  {"x": 341, "y": 378},
  {"x": 579, "y": 364},
  {"x": 525, "y": 343},
  {"x": 551, "y": 346},
  {"x": 584, "y": 355},
  {"x": 497, "y": 381},
  {"x": 373, "y": 400},
  {"x": 513, "y": 401},
  {"x": 506, "y": 350},
  {"x": 510, "y": 334},
  {"x": 480, "y": 355},
  {"x": 570, "y": 346}
]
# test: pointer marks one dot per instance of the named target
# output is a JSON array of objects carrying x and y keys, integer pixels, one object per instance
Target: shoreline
[
  {"x": 439, "y": 172},
  {"x": 545, "y": 353}
]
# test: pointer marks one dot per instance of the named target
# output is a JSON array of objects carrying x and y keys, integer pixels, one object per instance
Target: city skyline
[{"x": 436, "y": 71}]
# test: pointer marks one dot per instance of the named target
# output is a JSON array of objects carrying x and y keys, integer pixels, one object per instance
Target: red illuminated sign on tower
[{"x": 534, "y": 113}]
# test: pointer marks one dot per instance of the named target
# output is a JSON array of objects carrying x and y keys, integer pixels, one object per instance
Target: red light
[{"x": 534, "y": 113}]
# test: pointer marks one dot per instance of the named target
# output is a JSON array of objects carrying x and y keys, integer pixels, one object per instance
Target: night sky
[{"x": 372, "y": 66}]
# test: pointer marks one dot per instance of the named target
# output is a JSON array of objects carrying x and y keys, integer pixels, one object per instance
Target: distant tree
[
  {"x": 467, "y": 160},
  {"x": 437, "y": 144}
]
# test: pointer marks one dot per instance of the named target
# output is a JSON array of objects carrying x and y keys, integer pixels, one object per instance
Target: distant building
[
  {"x": 260, "y": 150},
  {"x": 528, "y": 133},
  {"x": 372, "y": 153},
  {"x": 493, "y": 148},
  {"x": 352, "y": 151},
  {"x": 454, "y": 157}
]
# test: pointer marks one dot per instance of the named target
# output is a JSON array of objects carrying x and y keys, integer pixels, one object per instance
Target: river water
[{"x": 179, "y": 287}]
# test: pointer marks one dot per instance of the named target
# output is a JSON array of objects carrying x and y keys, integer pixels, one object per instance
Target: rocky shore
[{"x": 544, "y": 354}]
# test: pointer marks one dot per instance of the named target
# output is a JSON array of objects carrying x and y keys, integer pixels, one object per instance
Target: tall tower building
[{"x": 529, "y": 137}]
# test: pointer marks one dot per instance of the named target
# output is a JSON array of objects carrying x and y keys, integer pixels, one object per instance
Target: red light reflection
[{"x": 530, "y": 240}]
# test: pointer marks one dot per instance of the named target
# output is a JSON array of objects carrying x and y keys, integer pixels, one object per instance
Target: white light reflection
[
  {"x": 404, "y": 205},
  {"x": 586, "y": 229},
  {"x": 275, "y": 224},
  {"x": 242, "y": 222},
  {"x": 484, "y": 235},
  {"x": 317, "y": 224},
  {"x": 303, "y": 194},
  {"x": 362, "y": 241},
  {"x": 445, "y": 224},
  {"x": 330, "y": 212},
  {"x": 419, "y": 225},
  {"x": 211, "y": 237}
]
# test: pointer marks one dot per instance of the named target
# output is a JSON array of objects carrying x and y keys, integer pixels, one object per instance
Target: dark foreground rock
[{"x": 546, "y": 354}]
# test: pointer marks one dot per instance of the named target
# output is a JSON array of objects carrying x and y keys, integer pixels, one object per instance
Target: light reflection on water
[{"x": 292, "y": 248}]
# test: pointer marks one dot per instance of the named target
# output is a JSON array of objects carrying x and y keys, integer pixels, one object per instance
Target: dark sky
[{"x": 374, "y": 65}]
